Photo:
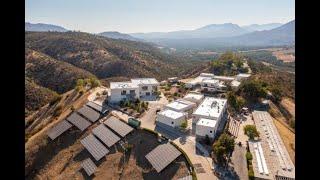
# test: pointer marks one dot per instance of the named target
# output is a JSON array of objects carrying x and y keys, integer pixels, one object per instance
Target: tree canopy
[
  {"x": 223, "y": 148},
  {"x": 251, "y": 131}
]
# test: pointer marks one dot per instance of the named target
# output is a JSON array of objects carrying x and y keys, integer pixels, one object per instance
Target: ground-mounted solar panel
[
  {"x": 95, "y": 147},
  {"x": 91, "y": 114},
  {"x": 88, "y": 166},
  {"x": 58, "y": 129},
  {"x": 118, "y": 126},
  {"x": 78, "y": 121},
  {"x": 97, "y": 107},
  {"x": 161, "y": 156},
  {"x": 105, "y": 135}
]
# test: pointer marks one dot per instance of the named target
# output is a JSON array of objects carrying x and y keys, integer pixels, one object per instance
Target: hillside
[
  {"x": 40, "y": 27},
  {"x": 105, "y": 57},
  {"x": 117, "y": 35},
  {"x": 36, "y": 96},
  {"x": 51, "y": 73},
  {"x": 261, "y": 27}
]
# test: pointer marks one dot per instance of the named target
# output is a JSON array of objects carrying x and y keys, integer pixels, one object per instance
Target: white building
[
  {"x": 224, "y": 78},
  {"x": 210, "y": 85},
  {"x": 173, "y": 79},
  {"x": 134, "y": 89},
  {"x": 206, "y": 127},
  {"x": 171, "y": 118},
  {"x": 242, "y": 76},
  {"x": 210, "y": 108},
  {"x": 181, "y": 105},
  {"x": 123, "y": 90},
  {"x": 194, "y": 97},
  {"x": 208, "y": 75},
  {"x": 235, "y": 84}
]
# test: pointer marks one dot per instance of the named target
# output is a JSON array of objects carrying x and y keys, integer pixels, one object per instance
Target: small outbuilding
[
  {"x": 206, "y": 127},
  {"x": 171, "y": 118}
]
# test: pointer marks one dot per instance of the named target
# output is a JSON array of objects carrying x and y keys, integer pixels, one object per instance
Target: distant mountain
[
  {"x": 283, "y": 35},
  {"x": 261, "y": 27},
  {"x": 40, "y": 27},
  {"x": 209, "y": 31},
  {"x": 117, "y": 35}
]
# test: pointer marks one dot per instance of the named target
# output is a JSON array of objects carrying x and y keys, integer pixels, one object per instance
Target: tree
[
  {"x": 251, "y": 131},
  {"x": 253, "y": 89},
  {"x": 184, "y": 124},
  {"x": 223, "y": 148},
  {"x": 235, "y": 102}
]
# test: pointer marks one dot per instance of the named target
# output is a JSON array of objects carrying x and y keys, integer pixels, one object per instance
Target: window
[
  {"x": 147, "y": 93},
  {"x": 210, "y": 131},
  {"x": 144, "y": 88},
  {"x": 172, "y": 122},
  {"x": 132, "y": 91},
  {"x": 124, "y": 92}
]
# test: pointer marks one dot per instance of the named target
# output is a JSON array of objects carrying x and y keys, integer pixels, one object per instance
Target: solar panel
[
  {"x": 161, "y": 156},
  {"x": 118, "y": 126},
  {"x": 101, "y": 109},
  {"x": 94, "y": 146},
  {"x": 91, "y": 114},
  {"x": 78, "y": 121},
  {"x": 88, "y": 166},
  {"x": 105, "y": 135},
  {"x": 58, "y": 129}
]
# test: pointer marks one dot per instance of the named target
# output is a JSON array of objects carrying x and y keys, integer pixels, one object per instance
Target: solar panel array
[
  {"x": 105, "y": 135},
  {"x": 101, "y": 109},
  {"x": 58, "y": 129},
  {"x": 95, "y": 147},
  {"x": 161, "y": 156},
  {"x": 118, "y": 126},
  {"x": 78, "y": 121},
  {"x": 91, "y": 114},
  {"x": 88, "y": 166}
]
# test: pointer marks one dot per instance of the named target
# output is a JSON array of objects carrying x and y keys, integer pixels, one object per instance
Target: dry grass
[
  {"x": 284, "y": 56},
  {"x": 289, "y": 105},
  {"x": 287, "y": 137}
]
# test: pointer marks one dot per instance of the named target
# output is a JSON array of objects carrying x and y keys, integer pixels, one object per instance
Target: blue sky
[{"x": 130, "y": 16}]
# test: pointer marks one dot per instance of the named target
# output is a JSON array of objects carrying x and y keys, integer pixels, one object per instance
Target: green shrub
[
  {"x": 184, "y": 124},
  {"x": 248, "y": 156},
  {"x": 56, "y": 99},
  {"x": 251, "y": 131},
  {"x": 251, "y": 173}
]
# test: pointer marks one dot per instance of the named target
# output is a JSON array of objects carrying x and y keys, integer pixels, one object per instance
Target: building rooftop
[
  {"x": 224, "y": 78},
  {"x": 186, "y": 102},
  {"x": 235, "y": 83},
  {"x": 207, "y": 122},
  {"x": 145, "y": 81},
  {"x": 211, "y": 81},
  {"x": 122, "y": 85},
  {"x": 178, "y": 105},
  {"x": 194, "y": 96},
  {"x": 275, "y": 153},
  {"x": 211, "y": 107},
  {"x": 244, "y": 75},
  {"x": 171, "y": 114}
]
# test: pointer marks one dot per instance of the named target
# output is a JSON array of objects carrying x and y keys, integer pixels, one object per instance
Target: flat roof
[
  {"x": 118, "y": 126},
  {"x": 105, "y": 135},
  {"x": 226, "y": 78},
  {"x": 195, "y": 96},
  {"x": 211, "y": 81},
  {"x": 88, "y": 166},
  {"x": 89, "y": 113},
  {"x": 186, "y": 102},
  {"x": 144, "y": 81},
  {"x": 211, "y": 107},
  {"x": 78, "y": 121},
  {"x": 244, "y": 75},
  {"x": 161, "y": 156},
  {"x": 207, "y": 122},
  {"x": 171, "y": 114},
  {"x": 95, "y": 147},
  {"x": 123, "y": 85},
  {"x": 178, "y": 105},
  {"x": 235, "y": 83},
  {"x": 58, "y": 129},
  {"x": 275, "y": 153}
]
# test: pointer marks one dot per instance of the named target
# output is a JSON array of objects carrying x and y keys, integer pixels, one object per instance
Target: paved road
[{"x": 239, "y": 162}]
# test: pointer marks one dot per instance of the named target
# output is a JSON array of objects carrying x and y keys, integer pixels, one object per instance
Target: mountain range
[
  {"x": 117, "y": 35},
  {"x": 40, "y": 27}
]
